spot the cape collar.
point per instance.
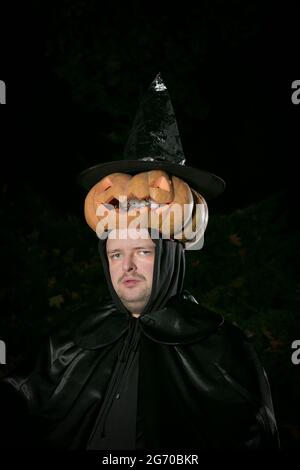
(182, 321)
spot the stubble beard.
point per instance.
(135, 304)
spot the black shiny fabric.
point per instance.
(154, 134)
(201, 384)
(116, 427)
(120, 424)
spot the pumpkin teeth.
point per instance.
(154, 204)
(132, 203)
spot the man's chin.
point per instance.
(132, 300)
(132, 293)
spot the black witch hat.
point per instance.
(154, 144)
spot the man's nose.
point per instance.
(128, 263)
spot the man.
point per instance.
(169, 375)
(149, 368)
(200, 382)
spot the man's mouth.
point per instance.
(130, 282)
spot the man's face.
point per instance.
(131, 262)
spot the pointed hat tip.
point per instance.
(158, 83)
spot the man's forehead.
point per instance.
(130, 238)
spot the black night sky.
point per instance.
(77, 70)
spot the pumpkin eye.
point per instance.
(105, 184)
(162, 183)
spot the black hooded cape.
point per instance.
(177, 377)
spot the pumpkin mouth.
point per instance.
(113, 202)
(132, 203)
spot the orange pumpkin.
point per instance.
(160, 201)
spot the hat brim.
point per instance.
(208, 184)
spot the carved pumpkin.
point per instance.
(160, 201)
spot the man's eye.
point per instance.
(115, 256)
(145, 252)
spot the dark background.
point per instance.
(75, 72)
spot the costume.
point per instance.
(200, 383)
(177, 377)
